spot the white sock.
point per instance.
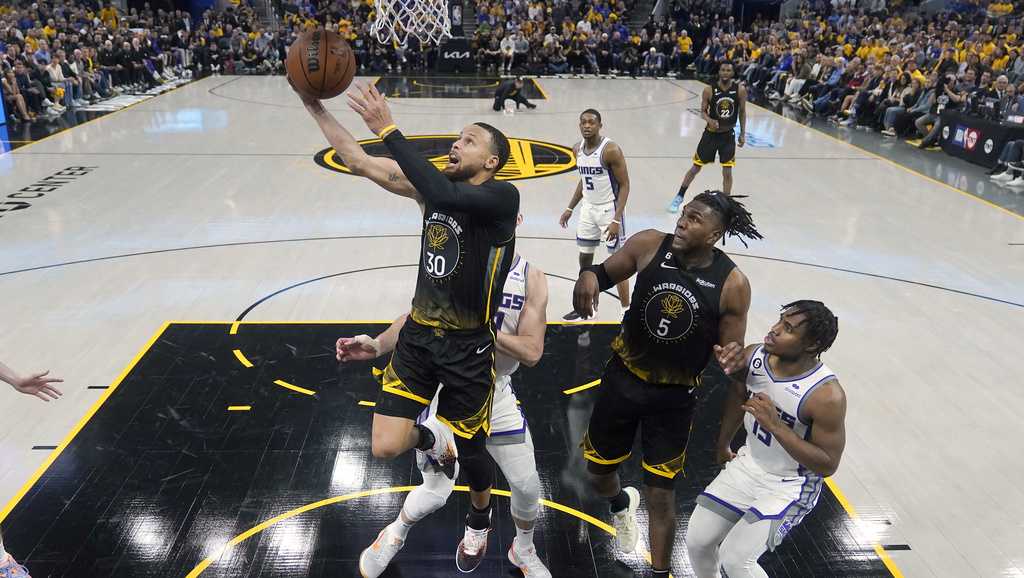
(3, 553)
(400, 528)
(524, 538)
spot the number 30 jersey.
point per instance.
(789, 395)
(671, 327)
(464, 260)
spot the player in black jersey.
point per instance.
(688, 297)
(468, 244)
(721, 106)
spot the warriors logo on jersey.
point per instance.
(442, 251)
(725, 107)
(669, 312)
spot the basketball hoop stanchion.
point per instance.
(397, 20)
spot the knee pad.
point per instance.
(428, 497)
(475, 464)
(525, 496)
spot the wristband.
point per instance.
(616, 222)
(384, 132)
(570, 209)
(604, 282)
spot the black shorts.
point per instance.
(425, 357)
(722, 143)
(662, 412)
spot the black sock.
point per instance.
(426, 438)
(619, 502)
(682, 191)
(479, 519)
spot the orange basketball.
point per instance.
(320, 64)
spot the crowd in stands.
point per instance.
(885, 66)
(61, 55)
(892, 69)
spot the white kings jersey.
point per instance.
(789, 396)
(513, 299)
(599, 185)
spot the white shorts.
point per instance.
(744, 489)
(508, 423)
(593, 227)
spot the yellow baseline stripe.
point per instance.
(580, 388)
(241, 358)
(303, 390)
(845, 503)
(368, 403)
(81, 424)
(239, 407)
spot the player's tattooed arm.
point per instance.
(383, 171)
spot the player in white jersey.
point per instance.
(521, 322)
(794, 417)
(600, 195)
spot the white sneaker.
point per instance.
(1003, 176)
(443, 453)
(1017, 182)
(527, 561)
(472, 549)
(375, 559)
(626, 532)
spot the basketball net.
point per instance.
(397, 20)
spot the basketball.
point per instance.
(320, 64)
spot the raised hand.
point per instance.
(371, 105)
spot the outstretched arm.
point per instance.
(37, 384)
(383, 171)
(623, 264)
(429, 182)
(364, 347)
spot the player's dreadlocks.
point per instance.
(735, 216)
(822, 324)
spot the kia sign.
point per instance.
(454, 55)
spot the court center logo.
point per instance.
(669, 313)
(528, 159)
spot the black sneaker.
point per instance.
(572, 316)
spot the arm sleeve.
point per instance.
(486, 201)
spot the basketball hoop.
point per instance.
(397, 20)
